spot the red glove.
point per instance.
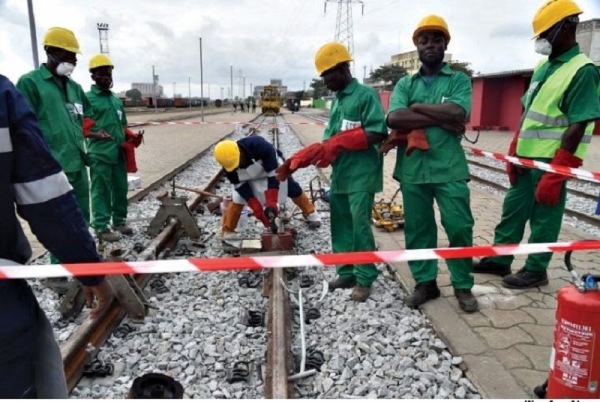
(550, 186)
(87, 126)
(395, 139)
(271, 199)
(300, 159)
(354, 139)
(129, 149)
(417, 140)
(512, 169)
(257, 209)
(132, 138)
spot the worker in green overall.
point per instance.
(63, 112)
(356, 127)
(560, 108)
(427, 112)
(108, 163)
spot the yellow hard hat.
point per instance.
(100, 60)
(227, 153)
(61, 38)
(551, 13)
(330, 55)
(432, 23)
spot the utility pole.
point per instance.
(364, 73)
(174, 85)
(251, 93)
(244, 88)
(344, 29)
(201, 85)
(190, 91)
(154, 90)
(231, 74)
(32, 33)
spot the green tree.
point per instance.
(299, 95)
(134, 94)
(319, 88)
(462, 66)
(390, 75)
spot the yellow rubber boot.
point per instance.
(308, 210)
(231, 218)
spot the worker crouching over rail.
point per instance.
(250, 165)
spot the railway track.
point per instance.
(84, 343)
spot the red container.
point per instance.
(575, 355)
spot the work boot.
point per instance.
(342, 283)
(524, 279)
(466, 300)
(109, 236)
(360, 293)
(487, 266)
(314, 220)
(232, 217)
(423, 292)
(124, 229)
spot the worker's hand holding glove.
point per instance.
(395, 139)
(550, 186)
(354, 139)
(512, 169)
(257, 209)
(417, 139)
(131, 137)
(300, 159)
(97, 135)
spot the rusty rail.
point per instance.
(96, 332)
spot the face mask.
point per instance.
(65, 69)
(543, 47)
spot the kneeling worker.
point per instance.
(250, 165)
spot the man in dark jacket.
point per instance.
(31, 179)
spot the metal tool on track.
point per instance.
(174, 206)
(388, 215)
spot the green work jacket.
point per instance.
(109, 116)
(563, 91)
(60, 114)
(357, 106)
(445, 160)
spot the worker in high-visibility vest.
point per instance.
(560, 108)
(110, 157)
(427, 112)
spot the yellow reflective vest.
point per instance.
(544, 123)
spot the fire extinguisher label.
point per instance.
(572, 353)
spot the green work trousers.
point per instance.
(420, 228)
(109, 193)
(519, 207)
(81, 187)
(351, 231)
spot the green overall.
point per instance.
(356, 177)
(108, 169)
(60, 114)
(563, 91)
(439, 174)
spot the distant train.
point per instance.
(293, 105)
(270, 100)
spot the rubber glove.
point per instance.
(550, 186)
(417, 140)
(354, 139)
(395, 139)
(257, 209)
(271, 199)
(300, 159)
(132, 138)
(129, 150)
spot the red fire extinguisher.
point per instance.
(575, 355)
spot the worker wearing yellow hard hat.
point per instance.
(350, 141)
(62, 109)
(250, 165)
(427, 114)
(561, 106)
(111, 155)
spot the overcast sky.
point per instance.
(262, 38)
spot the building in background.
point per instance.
(588, 36)
(410, 61)
(147, 89)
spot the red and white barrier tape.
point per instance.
(566, 171)
(287, 261)
(192, 123)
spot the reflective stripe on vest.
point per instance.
(544, 123)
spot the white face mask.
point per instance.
(543, 46)
(65, 69)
